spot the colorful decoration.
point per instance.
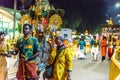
(25, 19)
(40, 14)
(110, 22)
(86, 32)
(55, 20)
(44, 14)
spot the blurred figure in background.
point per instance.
(118, 42)
(103, 48)
(110, 47)
(95, 48)
(81, 45)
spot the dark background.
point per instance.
(79, 15)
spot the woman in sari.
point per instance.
(3, 53)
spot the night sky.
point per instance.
(92, 12)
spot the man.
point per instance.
(61, 59)
(81, 45)
(42, 59)
(103, 48)
(28, 48)
(95, 48)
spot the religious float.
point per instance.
(42, 16)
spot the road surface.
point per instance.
(90, 70)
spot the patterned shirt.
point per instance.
(27, 47)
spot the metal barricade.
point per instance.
(115, 66)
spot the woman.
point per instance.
(63, 62)
(3, 53)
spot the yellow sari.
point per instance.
(3, 62)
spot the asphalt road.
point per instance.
(90, 70)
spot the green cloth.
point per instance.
(28, 47)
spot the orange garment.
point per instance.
(26, 70)
(110, 52)
(103, 47)
(66, 43)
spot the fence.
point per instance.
(115, 66)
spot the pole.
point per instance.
(15, 4)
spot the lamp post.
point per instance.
(23, 4)
(118, 18)
(15, 5)
(117, 5)
(1, 20)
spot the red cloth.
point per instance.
(110, 52)
(103, 47)
(26, 70)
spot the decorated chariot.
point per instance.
(42, 16)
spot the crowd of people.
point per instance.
(35, 55)
(105, 45)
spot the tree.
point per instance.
(19, 27)
(76, 23)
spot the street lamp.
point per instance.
(117, 5)
(118, 15)
(119, 18)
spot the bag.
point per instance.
(49, 72)
(49, 69)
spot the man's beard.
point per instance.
(26, 33)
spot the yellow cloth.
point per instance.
(117, 42)
(62, 64)
(3, 63)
